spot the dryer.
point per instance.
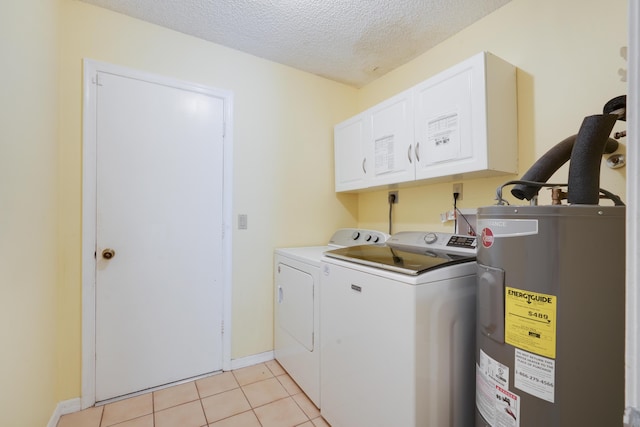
(297, 306)
(397, 327)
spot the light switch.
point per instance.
(242, 221)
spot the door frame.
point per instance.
(632, 355)
(89, 198)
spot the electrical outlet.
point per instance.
(457, 188)
(394, 195)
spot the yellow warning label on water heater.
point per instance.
(530, 321)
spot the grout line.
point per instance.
(201, 405)
(130, 419)
(245, 396)
(153, 407)
(256, 415)
(283, 386)
(101, 417)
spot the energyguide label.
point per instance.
(530, 321)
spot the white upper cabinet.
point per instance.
(350, 139)
(461, 123)
(376, 147)
(466, 120)
(391, 142)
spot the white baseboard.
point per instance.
(63, 408)
(254, 359)
(631, 417)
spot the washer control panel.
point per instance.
(420, 241)
(357, 236)
(468, 242)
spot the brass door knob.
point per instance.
(108, 253)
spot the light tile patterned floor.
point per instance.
(257, 396)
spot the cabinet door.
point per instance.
(391, 142)
(351, 165)
(450, 117)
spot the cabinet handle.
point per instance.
(364, 165)
(418, 151)
(409, 154)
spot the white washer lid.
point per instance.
(308, 254)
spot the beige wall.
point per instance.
(283, 157)
(568, 56)
(28, 211)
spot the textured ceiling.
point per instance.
(350, 41)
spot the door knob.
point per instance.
(108, 253)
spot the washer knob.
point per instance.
(367, 237)
(376, 239)
(355, 235)
(430, 238)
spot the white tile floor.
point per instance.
(257, 396)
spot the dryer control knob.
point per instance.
(367, 237)
(376, 239)
(355, 235)
(430, 238)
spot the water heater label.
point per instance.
(535, 375)
(494, 370)
(509, 227)
(498, 406)
(487, 237)
(530, 321)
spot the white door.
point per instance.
(159, 153)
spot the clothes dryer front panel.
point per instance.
(294, 299)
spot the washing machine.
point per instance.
(397, 332)
(297, 306)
